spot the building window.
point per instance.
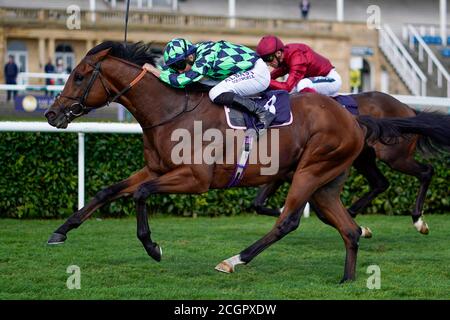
(65, 58)
(18, 49)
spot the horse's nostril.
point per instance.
(50, 115)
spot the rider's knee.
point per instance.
(219, 90)
(223, 98)
(304, 83)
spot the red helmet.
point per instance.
(269, 45)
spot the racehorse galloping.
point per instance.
(399, 157)
(319, 146)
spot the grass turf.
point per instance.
(307, 264)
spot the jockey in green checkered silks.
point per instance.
(237, 72)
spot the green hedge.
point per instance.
(38, 179)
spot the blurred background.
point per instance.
(398, 47)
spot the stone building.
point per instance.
(34, 35)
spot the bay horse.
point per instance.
(319, 146)
(398, 156)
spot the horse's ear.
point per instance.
(101, 54)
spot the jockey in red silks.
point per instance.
(306, 68)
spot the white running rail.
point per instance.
(23, 77)
(403, 63)
(30, 87)
(81, 128)
(423, 49)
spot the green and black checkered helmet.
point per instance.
(177, 50)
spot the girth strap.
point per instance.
(250, 135)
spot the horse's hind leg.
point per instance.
(327, 201)
(307, 178)
(264, 193)
(366, 165)
(121, 189)
(424, 173)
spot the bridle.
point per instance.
(79, 107)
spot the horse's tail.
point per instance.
(426, 146)
(433, 129)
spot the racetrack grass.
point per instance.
(307, 264)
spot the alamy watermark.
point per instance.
(374, 280)
(212, 146)
(74, 280)
(374, 18)
(73, 21)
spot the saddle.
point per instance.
(276, 101)
(348, 102)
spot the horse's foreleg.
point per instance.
(366, 165)
(180, 180)
(121, 189)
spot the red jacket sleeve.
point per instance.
(297, 70)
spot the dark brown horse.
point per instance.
(318, 147)
(399, 157)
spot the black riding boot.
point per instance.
(232, 99)
(264, 115)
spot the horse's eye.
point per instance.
(78, 77)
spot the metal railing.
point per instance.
(24, 77)
(30, 87)
(427, 29)
(403, 63)
(423, 49)
(143, 18)
(80, 129)
(430, 29)
(24, 85)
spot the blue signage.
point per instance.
(362, 51)
(33, 103)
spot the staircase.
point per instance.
(431, 57)
(402, 62)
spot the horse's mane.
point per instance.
(138, 53)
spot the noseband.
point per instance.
(79, 107)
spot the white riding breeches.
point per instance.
(244, 83)
(328, 85)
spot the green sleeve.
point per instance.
(179, 80)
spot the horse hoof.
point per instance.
(422, 226)
(346, 280)
(424, 230)
(224, 267)
(155, 252)
(56, 238)
(366, 232)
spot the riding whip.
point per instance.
(126, 22)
